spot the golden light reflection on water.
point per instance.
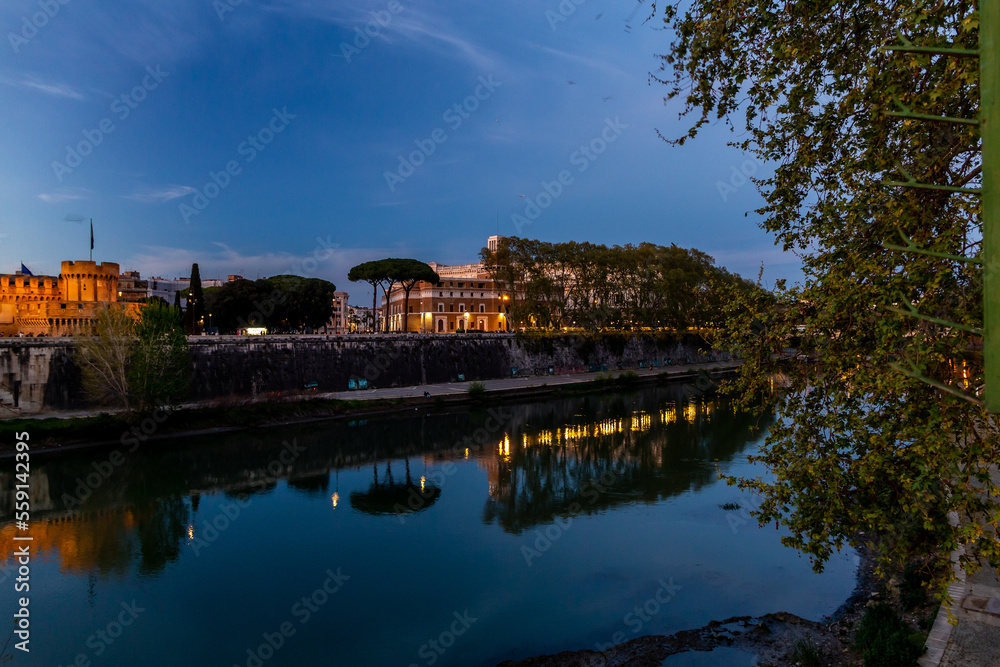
(335, 498)
(639, 421)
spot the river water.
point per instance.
(417, 539)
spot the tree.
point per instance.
(104, 356)
(300, 303)
(408, 272)
(135, 364)
(159, 366)
(233, 305)
(371, 273)
(507, 272)
(885, 436)
(195, 306)
(377, 273)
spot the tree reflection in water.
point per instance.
(598, 450)
(612, 451)
(391, 497)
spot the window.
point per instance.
(481, 285)
(482, 309)
(461, 293)
(27, 282)
(451, 308)
(451, 325)
(461, 284)
(440, 325)
(63, 306)
(440, 294)
(440, 307)
(461, 307)
(411, 309)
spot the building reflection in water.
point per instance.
(598, 450)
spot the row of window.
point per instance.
(461, 325)
(451, 308)
(451, 284)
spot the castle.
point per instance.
(56, 306)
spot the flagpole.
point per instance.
(91, 239)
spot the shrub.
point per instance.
(805, 653)
(477, 390)
(628, 378)
(885, 640)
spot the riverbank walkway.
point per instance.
(975, 641)
(529, 384)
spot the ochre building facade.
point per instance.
(62, 305)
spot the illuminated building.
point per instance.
(56, 306)
(465, 299)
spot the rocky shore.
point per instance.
(775, 639)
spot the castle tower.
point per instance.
(89, 281)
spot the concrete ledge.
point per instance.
(941, 631)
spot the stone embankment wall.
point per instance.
(42, 374)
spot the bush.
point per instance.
(885, 640)
(477, 390)
(805, 653)
(913, 588)
(628, 378)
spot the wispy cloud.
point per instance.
(425, 29)
(599, 64)
(63, 196)
(160, 195)
(29, 82)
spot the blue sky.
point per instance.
(251, 136)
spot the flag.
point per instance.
(91, 234)
(25, 270)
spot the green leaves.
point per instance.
(861, 452)
(586, 285)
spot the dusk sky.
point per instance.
(124, 115)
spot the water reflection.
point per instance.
(556, 464)
(391, 497)
(577, 455)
